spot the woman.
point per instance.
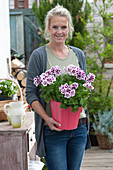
(62, 149)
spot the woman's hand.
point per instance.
(50, 121)
(52, 124)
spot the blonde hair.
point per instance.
(61, 11)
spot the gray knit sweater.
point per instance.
(37, 65)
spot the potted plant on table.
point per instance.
(8, 88)
(103, 127)
(69, 90)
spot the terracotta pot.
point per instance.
(104, 142)
(65, 117)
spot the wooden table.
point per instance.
(15, 143)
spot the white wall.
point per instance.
(4, 37)
(11, 4)
(30, 2)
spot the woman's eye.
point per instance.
(64, 27)
(55, 27)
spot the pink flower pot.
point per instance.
(65, 117)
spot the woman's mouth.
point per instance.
(59, 36)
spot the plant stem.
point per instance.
(109, 87)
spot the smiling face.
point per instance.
(58, 28)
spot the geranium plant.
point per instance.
(71, 87)
(8, 87)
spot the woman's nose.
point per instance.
(59, 30)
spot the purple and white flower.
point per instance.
(44, 83)
(74, 85)
(90, 78)
(64, 70)
(5, 86)
(88, 85)
(55, 70)
(80, 74)
(37, 81)
(72, 92)
(12, 87)
(71, 69)
(50, 79)
(48, 72)
(71, 81)
(67, 90)
(67, 95)
(43, 76)
(8, 86)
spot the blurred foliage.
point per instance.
(45, 166)
(98, 48)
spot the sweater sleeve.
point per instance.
(34, 69)
(83, 61)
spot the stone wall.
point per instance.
(109, 70)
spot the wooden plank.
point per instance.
(98, 163)
(24, 11)
(15, 13)
(34, 20)
(13, 31)
(97, 159)
(97, 149)
(17, 31)
(32, 39)
(11, 155)
(32, 27)
(20, 34)
(97, 168)
(29, 40)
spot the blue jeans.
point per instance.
(65, 149)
